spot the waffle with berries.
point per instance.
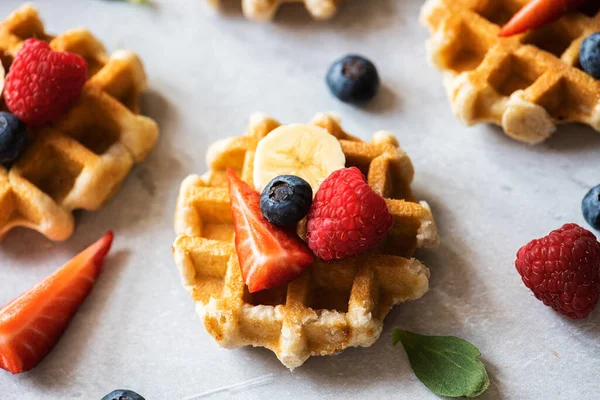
(527, 83)
(264, 10)
(79, 161)
(333, 305)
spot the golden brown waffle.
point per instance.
(81, 160)
(528, 83)
(264, 10)
(333, 305)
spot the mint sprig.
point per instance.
(447, 365)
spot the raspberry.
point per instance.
(42, 84)
(563, 270)
(347, 217)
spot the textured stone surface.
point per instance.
(208, 72)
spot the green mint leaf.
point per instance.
(447, 365)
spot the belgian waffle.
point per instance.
(80, 161)
(333, 305)
(528, 83)
(264, 10)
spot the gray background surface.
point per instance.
(207, 72)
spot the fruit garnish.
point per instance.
(268, 255)
(538, 13)
(347, 216)
(447, 365)
(13, 138)
(123, 395)
(563, 270)
(589, 55)
(307, 151)
(286, 200)
(353, 79)
(42, 84)
(591, 207)
(32, 324)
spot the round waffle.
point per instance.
(528, 83)
(264, 10)
(80, 161)
(332, 306)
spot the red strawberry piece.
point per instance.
(42, 84)
(563, 270)
(347, 217)
(269, 256)
(32, 324)
(538, 13)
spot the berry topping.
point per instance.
(33, 323)
(286, 200)
(589, 55)
(123, 395)
(353, 79)
(591, 207)
(13, 138)
(42, 84)
(269, 256)
(538, 13)
(347, 217)
(563, 270)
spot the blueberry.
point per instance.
(123, 395)
(353, 79)
(13, 138)
(286, 200)
(591, 207)
(589, 55)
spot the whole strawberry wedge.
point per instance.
(538, 13)
(32, 324)
(269, 256)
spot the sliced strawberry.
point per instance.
(538, 13)
(269, 256)
(31, 324)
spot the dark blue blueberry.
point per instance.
(589, 55)
(353, 79)
(13, 138)
(123, 395)
(591, 207)
(286, 200)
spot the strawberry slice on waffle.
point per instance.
(269, 256)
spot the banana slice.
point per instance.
(307, 151)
